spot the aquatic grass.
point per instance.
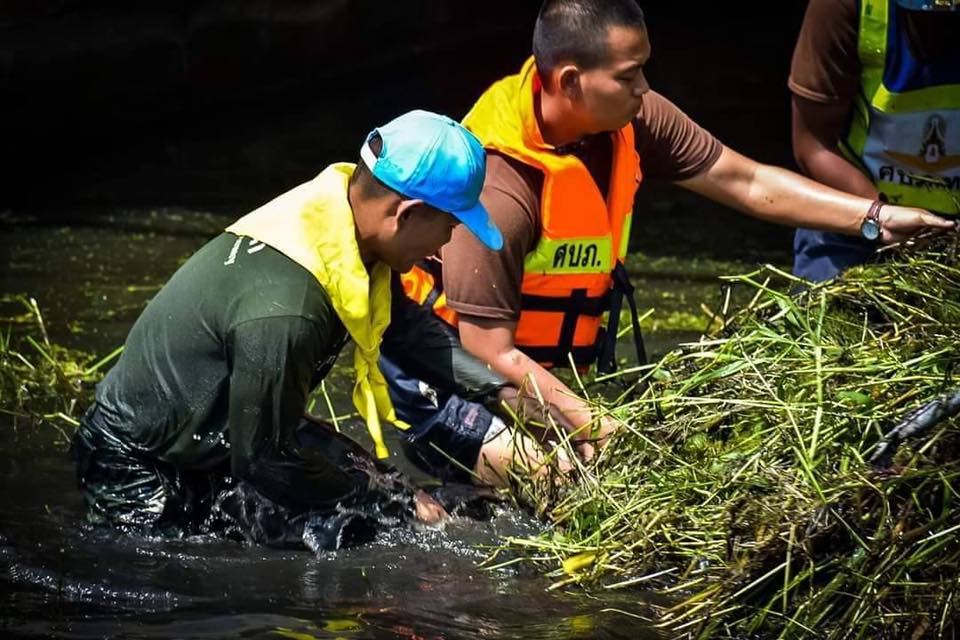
(42, 382)
(741, 490)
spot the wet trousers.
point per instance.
(131, 492)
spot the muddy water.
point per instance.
(59, 578)
(62, 579)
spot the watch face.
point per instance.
(870, 229)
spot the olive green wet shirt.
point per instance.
(219, 366)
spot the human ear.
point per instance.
(568, 80)
(405, 208)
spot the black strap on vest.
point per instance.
(622, 288)
(558, 357)
(577, 304)
(572, 307)
(607, 360)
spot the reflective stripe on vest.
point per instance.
(905, 129)
(567, 277)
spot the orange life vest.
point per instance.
(567, 277)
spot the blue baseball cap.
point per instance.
(429, 157)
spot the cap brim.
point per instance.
(478, 221)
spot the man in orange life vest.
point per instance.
(569, 140)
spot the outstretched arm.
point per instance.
(787, 198)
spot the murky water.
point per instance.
(60, 578)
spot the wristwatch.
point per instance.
(870, 227)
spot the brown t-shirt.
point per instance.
(485, 283)
(826, 65)
(826, 61)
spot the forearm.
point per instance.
(787, 198)
(265, 451)
(272, 363)
(779, 196)
(493, 342)
(533, 380)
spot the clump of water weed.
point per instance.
(742, 490)
(42, 382)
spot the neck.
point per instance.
(366, 239)
(558, 125)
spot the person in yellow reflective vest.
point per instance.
(876, 112)
(199, 425)
(569, 138)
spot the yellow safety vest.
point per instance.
(905, 133)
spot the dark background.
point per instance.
(221, 105)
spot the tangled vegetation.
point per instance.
(40, 381)
(749, 496)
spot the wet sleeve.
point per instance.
(271, 370)
(826, 61)
(485, 283)
(426, 347)
(671, 145)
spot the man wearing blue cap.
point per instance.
(200, 421)
(876, 113)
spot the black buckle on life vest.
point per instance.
(577, 303)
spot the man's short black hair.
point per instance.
(370, 188)
(576, 31)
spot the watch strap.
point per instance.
(874, 212)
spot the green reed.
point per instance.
(40, 381)
(750, 509)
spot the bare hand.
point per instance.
(585, 450)
(428, 510)
(608, 426)
(588, 444)
(899, 223)
(530, 409)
